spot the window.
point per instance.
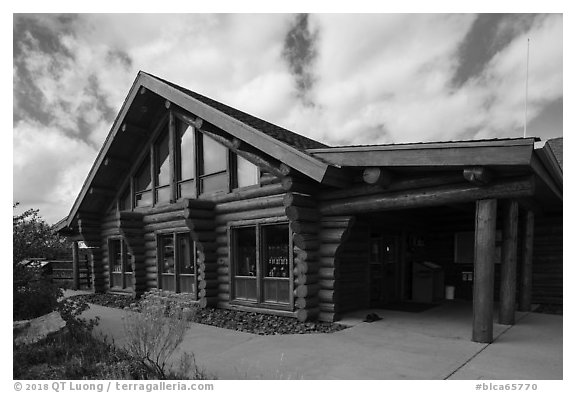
(143, 185)
(177, 263)
(125, 202)
(213, 166)
(162, 168)
(246, 173)
(262, 264)
(121, 273)
(186, 162)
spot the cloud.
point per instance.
(47, 175)
(300, 52)
(373, 78)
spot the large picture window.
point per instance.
(247, 174)
(186, 162)
(162, 169)
(143, 185)
(121, 272)
(262, 264)
(177, 263)
(213, 166)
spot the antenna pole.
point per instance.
(526, 96)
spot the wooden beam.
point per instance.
(172, 156)
(433, 196)
(75, 266)
(526, 264)
(478, 175)
(431, 155)
(116, 162)
(167, 104)
(142, 90)
(102, 191)
(379, 176)
(508, 266)
(484, 253)
(132, 129)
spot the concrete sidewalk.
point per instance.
(402, 345)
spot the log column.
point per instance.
(526, 264)
(484, 253)
(508, 267)
(75, 266)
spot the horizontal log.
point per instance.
(208, 302)
(267, 178)
(304, 227)
(203, 284)
(252, 214)
(327, 273)
(197, 213)
(332, 235)
(243, 194)
(306, 290)
(249, 204)
(224, 287)
(305, 267)
(328, 316)
(307, 314)
(305, 279)
(434, 196)
(303, 302)
(295, 199)
(301, 214)
(200, 224)
(165, 225)
(223, 296)
(305, 241)
(296, 185)
(223, 270)
(208, 292)
(327, 307)
(397, 185)
(327, 296)
(163, 217)
(328, 284)
(209, 275)
(304, 255)
(328, 249)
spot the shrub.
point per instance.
(70, 310)
(34, 295)
(154, 334)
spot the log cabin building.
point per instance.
(191, 196)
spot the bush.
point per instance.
(34, 294)
(154, 334)
(70, 310)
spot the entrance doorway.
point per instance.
(385, 270)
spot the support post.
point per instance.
(508, 267)
(527, 254)
(75, 266)
(484, 252)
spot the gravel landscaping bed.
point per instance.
(249, 322)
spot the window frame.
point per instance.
(232, 253)
(177, 261)
(155, 165)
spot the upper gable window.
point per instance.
(143, 185)
(162, 168)
(213, 166)
(186, 162)
(246, 173)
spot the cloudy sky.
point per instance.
(337, 78)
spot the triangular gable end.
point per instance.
(290, 156)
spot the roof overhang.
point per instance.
(495, 153)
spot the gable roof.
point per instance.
(284, 145)
(290, 138)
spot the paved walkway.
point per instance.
(426, 345)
